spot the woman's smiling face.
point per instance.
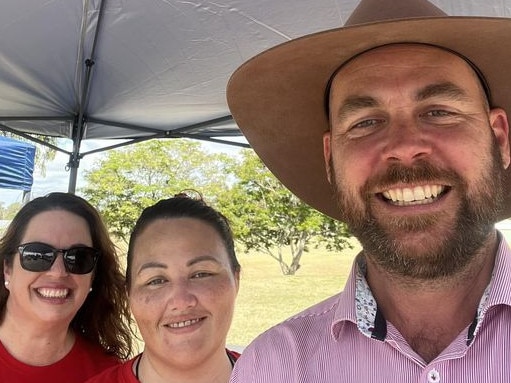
(53, 296)
(183, 290)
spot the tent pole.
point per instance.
(74, 156)
(73, 164)
(26, 196)
(80, 119)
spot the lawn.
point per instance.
(267, 297)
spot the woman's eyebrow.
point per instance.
(149, 265)
(202, 258)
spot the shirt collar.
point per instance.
(357, 304)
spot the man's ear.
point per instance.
(500, 126)
(327, 153)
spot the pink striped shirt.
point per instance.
(344, 339)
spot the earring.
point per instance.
(6, 284)
(90, 289)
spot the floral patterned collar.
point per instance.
(370, 320)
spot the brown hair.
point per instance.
(104, 317)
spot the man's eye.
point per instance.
(439, 113)
(366, 124)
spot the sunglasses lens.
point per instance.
(40, 257)
(81, 260)
(37, 257)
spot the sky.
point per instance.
(57, 177)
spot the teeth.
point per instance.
(53, 293)
(184, 323)
(408, 195)
(427, 190)
(417, 195)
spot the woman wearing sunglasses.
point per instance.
(182, 277)
(63, 310)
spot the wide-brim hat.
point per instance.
(277, 98)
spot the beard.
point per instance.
(435, 257)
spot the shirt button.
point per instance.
(433, 376)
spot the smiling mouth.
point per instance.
(185, 323)
(418, 195)
(53, 293)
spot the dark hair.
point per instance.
(104, 317)
(179, 206)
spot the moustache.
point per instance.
(420, 172)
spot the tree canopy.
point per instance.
(264, 215)
(127, 180)
(267, 217)
(8, 212)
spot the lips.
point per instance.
(418, 195)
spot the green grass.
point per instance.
(267, 297)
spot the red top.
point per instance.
(124, 372)
(83, 361)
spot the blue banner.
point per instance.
(16, 164)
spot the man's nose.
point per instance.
(406, 142)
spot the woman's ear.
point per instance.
(7, 270)
(7, 275)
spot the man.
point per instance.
(413, 154)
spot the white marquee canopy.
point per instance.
(141, 69)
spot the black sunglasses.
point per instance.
(37, 256)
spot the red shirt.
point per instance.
(124, 372)
(118, 374)
(83, 361)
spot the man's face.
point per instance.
(415, 158)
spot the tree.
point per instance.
(127, 180)
(270, 218)
(10, 211)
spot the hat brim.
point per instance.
(277, 97)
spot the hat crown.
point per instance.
(380, 10)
